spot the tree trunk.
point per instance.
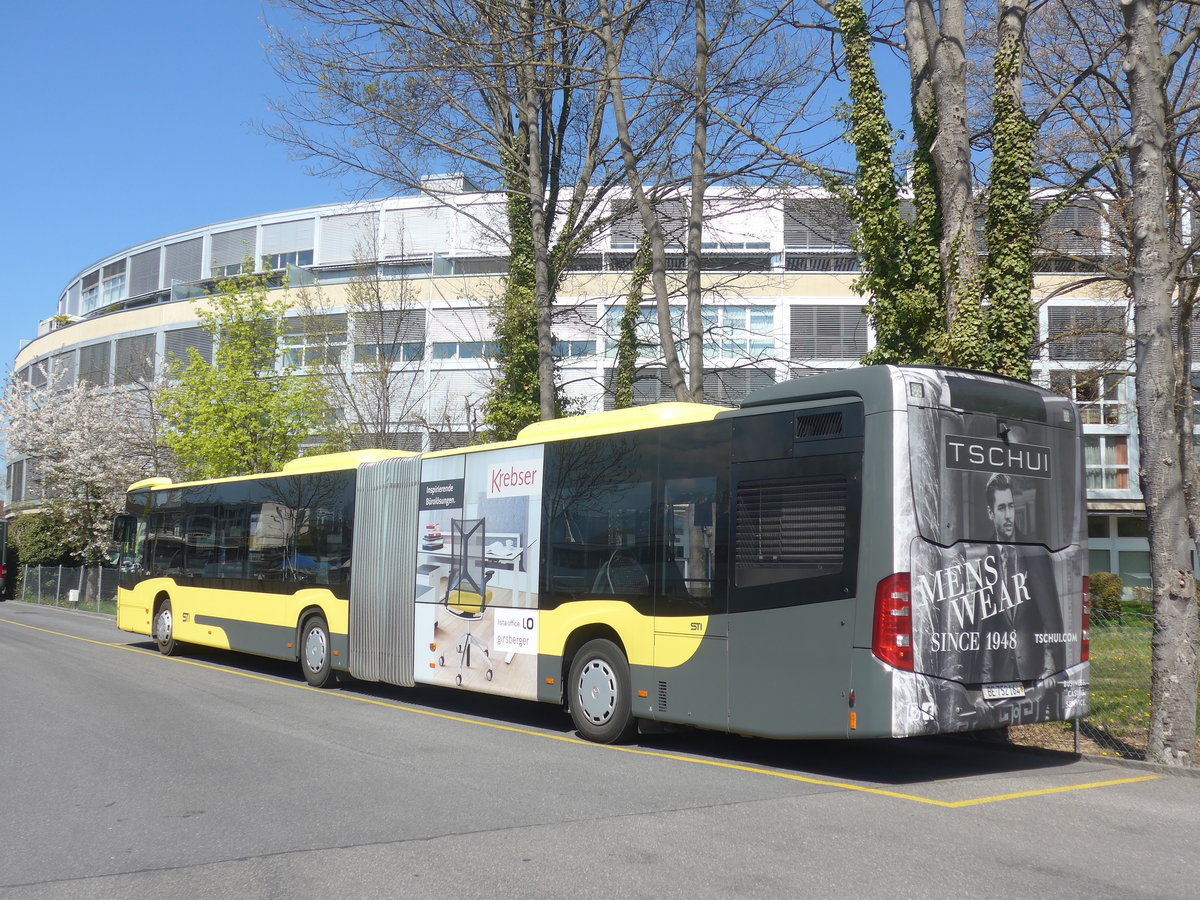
(534, 126)
(1185, 409)
(952, 151)
(658, 256)
(937, 68)
(695, 320)
(1173, 646)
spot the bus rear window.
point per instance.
(992, 478)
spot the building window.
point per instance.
(1101, 396)
(1087, 333)
(828, 332)
(574, 349)
(273, 261)
(1099, 560)
(730, 386)
(721, 386)
(817, 224)
(230, 271)
(1106, 458)
(626, 230)
(443, 350)
(231, 250)
(135, 359)
(179, 340)
(94, 364)
(376, 355)
(313, 341)
(450, 440)
(39, 373)
(1134, 567)
(1071, 240)
(112, 287)
(386, 337)
(63, 370)
(730, 332)
(91, 291)
(738, 332)
(645, 330)
(16, 482)
(1132, 527)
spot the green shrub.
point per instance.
(39, 540)
(1106, 589)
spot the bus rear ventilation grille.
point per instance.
(662, 696)
(817, 425)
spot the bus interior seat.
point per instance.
(621, 574)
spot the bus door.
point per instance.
(797, 501)
(690, 582)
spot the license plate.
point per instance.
(1007, 691)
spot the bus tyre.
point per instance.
(164, 629)
(598, 693)
(316, 661)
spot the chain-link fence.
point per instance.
(93, 588)
(1118, 721)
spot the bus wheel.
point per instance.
(315, 658)
(164, 630)
(598, 693)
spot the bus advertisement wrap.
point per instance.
(996, 576)
(477, 565)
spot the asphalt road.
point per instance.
(126, 774)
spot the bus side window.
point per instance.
(796, 528)
(601, 544)
(688, 561)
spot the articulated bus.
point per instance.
(884, 551)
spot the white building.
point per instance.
(779, 271)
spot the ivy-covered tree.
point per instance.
(515, 399)
(241, 413)
(932, 297)
(625, 365)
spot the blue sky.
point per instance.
(126, 121)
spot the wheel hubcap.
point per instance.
(162, 630)
(314, 649)
(597, 691)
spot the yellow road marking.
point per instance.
(637, 751)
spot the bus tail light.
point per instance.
(1085, 644)
(891, 638)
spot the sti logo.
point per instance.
(984, 455)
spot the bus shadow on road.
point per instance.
(881, 761)
(875, 761)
